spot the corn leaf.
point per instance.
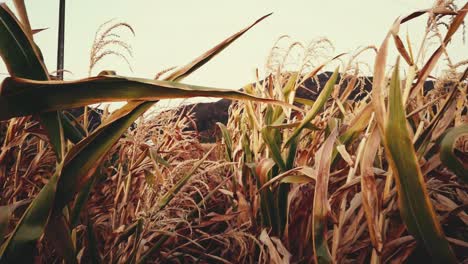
(321, 206)
(227, 140)
(358, 124)
(6, 212)
(20, 96)
(424, 139)
(186, 70)
(83, 159)
(448, 155)
(80, 201)
(58, 234)
(304, 101)
(17, 49)
(23, 14)
(22, 59)
(430, 64)
(371, 199)
(20, 245)
(415, 207)
(318, 105)
(272, 138)
(296, 175)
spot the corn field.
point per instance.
(378, 178)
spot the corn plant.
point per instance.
(362, 167)
(29, 91)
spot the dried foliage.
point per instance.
(320, 183)
(108, 41)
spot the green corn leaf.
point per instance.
(5, 216)
(17, 49)
(318, 105)
(291, 155)
(20, 96)
(20, 245)
(272, 138)
(22, 59)
(227, 140)
(80, 201)
(157, 158)
(290, 85)
(6, 212)
(448, 155)
(304, 101)
(356, 128)
(357, 125)
(83, 159)
(414, 203)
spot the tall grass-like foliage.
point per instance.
(381, 179)
(363, 168)
(77, 164)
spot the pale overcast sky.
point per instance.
(171, 33)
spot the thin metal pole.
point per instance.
(61, 40)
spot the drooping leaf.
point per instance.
(321, 207)
(295, 175)
(449, 157)
(357, 126)
(19, 96)
(431, 63)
